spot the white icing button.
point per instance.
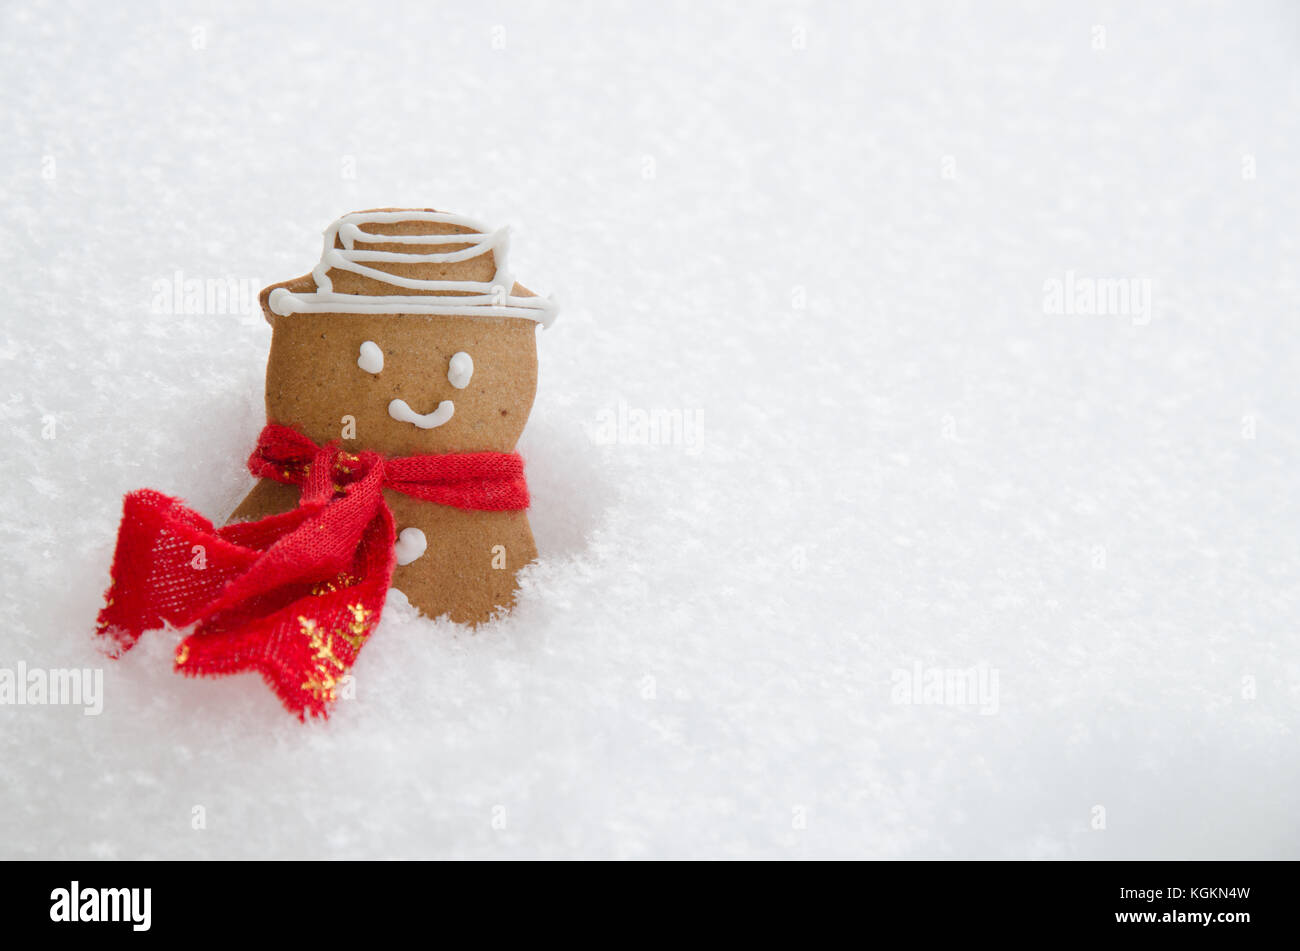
(400, 411)
(460, 369)
(372, 358)
(410, 545)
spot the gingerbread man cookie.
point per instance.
(409, 338)
(401, 374)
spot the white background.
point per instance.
(918, 466)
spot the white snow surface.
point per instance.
(821, 234)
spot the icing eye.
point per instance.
(460, 369)
(372, 358)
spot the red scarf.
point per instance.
(292, 596)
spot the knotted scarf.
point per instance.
(292, 596)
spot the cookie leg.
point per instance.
(266, 498)
(469, 566)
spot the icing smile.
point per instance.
(459, 370)
(402, 412)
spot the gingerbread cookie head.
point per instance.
(409, 336)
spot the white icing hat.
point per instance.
(342, 261)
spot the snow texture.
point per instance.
(817, 244)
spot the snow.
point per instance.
(817, 244)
